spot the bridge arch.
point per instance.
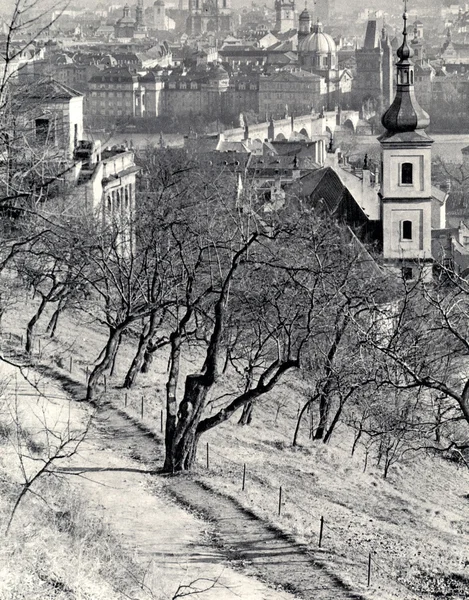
(349, 126)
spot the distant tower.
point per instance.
(159, 16)
(304, 28)
(209, 16)
(387, 63)
(284, 15)
(406, 174)
(418, 43)
(139, 14)
(373, 85)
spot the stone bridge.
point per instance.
(309, 127)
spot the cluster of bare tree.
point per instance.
(253, 294)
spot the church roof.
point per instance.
(318, 42)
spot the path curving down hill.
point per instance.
(203, 534)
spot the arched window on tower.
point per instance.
(406, 232)
(407, 173)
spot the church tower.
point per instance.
(373, 84)
(388, 68)
(139, 14)
(406, 194)
(284, 15)
(304, 28)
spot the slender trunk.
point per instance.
(357, 439)
(171, 401)
(324, 407)
(298, 422)
(246, 415)
(438, 425)
(32, 324)
(366, 460)
(334, 422)
(146, 347)
(137, 361)
(52, 326)
(108, 354)
(114, 360)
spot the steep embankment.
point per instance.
(414, 524)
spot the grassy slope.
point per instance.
(57, 553)
(415, 523)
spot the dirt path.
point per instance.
(114, 469)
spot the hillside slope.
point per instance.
(414, 524)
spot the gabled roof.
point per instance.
(371, 36)
(439, 195)
(49, 89)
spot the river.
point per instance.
(447, 146)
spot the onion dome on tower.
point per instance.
(405, 113)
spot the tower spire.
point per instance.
(405, 113)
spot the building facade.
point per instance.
(209, 16)
(116, 92)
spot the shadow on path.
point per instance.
(239, 534)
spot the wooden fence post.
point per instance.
(244, 476)
(280, 501)
(321, 530)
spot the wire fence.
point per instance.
(275, 502)
(278, 499)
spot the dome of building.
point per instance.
(158, 3)
(318, 42)
(305, 16)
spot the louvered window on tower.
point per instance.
(406, 230)
(407, 174)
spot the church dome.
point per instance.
(305, 16)
(318, 42)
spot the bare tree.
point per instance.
(421, 341)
